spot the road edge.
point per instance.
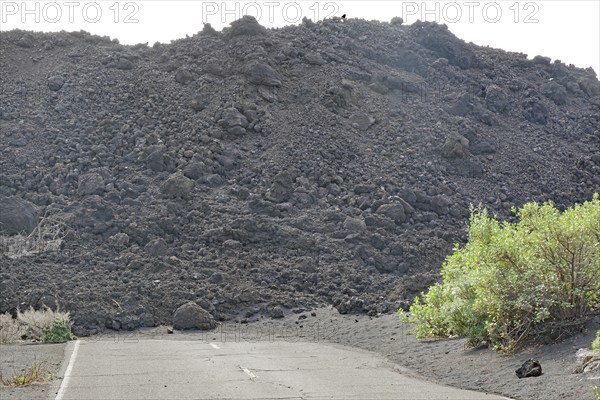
(66, 366)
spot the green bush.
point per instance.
(513, 282)
(596, 342)
(58, 332)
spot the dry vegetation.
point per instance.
(35, 373)
(31, 324)
(47, 236)
(10, 329)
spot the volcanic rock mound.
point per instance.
(255, 171)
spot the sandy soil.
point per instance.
(449, 362)
(444, 361)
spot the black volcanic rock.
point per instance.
(252, 169)
(17, 216)
(262, 74)
(530, 368)
(245, 26)
(192, 316)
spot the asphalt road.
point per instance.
(186, 369)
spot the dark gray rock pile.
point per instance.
(254, 172)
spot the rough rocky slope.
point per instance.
(256, 171)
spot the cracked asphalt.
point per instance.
(198, 369)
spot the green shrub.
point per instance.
(596, 342)
(58, 332)
(512, 282)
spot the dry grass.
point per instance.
(35, 373)
(47, 236)
(30, 324)
(10, 329)
(37, 321)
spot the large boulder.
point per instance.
(589, 85)
(156, 161)
(394, 211)
(337, 98)
(456, 146)
(196, 169)
(276, 312)
(246, 26)
(441, 204)
(443, 43)
(209, 30)
(90, 184)
(355, 224)
(122, 63)
(233, 121)
(177, 185)
(496, 99)
(192, 316)
(26, 41)
(313, 58)
(555, 92)
(408, 209)
(281, 189)
(157, 248)
(262, 74)
(183, 76)
(17, 216)
(535, 111)
(461, 106)
(93, 215)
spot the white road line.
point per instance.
(214, 346)
(65, 382)
(247, 371)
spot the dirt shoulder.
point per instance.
(15, 359)
(448, 362)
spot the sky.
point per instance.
(565, 30)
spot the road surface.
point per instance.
(198, 369)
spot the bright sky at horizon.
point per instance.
(564, 30)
